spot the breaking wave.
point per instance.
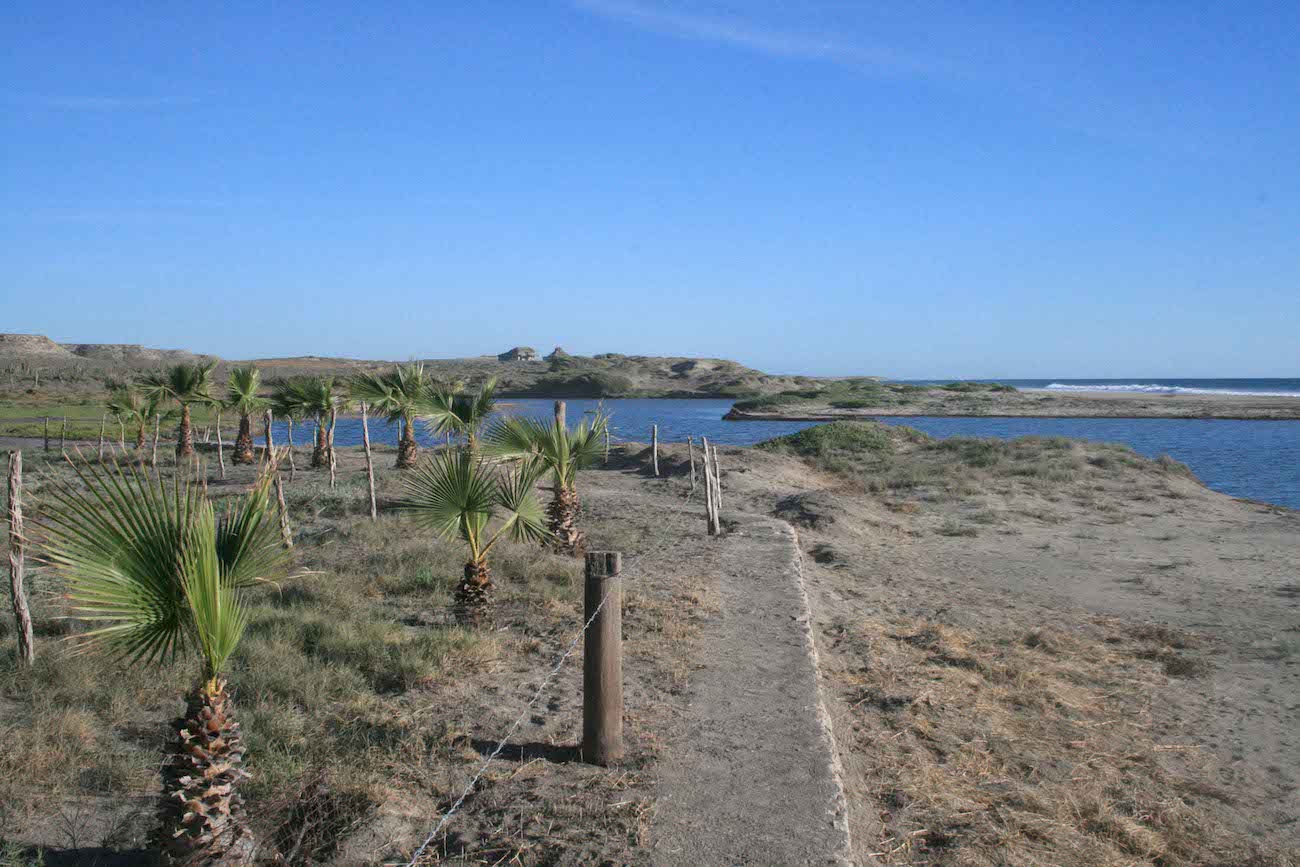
(1157, 388)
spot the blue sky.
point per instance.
(910, 189)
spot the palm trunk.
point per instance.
(244, 442)
(563, 513)
(139, 437)
(407, 449)
(185, 434)
(320, 454)
(200, 815)
(474, 593)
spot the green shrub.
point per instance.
(825, 440)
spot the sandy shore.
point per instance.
(1048, 404)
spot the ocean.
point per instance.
(1151, 385)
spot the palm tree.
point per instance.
(186, 384)
(311, 397)
(130, 406)
(162, 574)
(457, 495)
(241, 388)
(562, 451)
(400, 393)
(452, 410)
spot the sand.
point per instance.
(1050, 404)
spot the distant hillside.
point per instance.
(559, 374)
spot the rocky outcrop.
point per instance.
(36, 345)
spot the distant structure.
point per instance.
(558, 353)
(519, 353)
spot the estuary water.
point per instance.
(1259, 460)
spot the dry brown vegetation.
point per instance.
(1044, 651)
(365, 709)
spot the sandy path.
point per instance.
(748, 780)
(746, 772)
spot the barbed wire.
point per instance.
(537, 696)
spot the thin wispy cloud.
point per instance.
(739, 33)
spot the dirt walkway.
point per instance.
(745, 775)
(748, 778)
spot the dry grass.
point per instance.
(1017, 748)
(365, 709)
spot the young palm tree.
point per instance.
(241, 388)
(315, 397)
(130, 406)
(162, 574)
(400, 393)
(186, 384)
(453, 411)
(563, 451)
(457, 495)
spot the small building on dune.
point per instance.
(519, 353)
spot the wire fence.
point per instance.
(627, 571)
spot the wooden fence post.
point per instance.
(607, 443)
(103, 426)
(267, 418)
(654, 446)
(717, 483)
(370, 464)
(334, 420)
(288, 433)
(26, 651)
(286, 534)
(690, 450)
(63, 436)
(711, 504)
(121, 436)
(559, 414)
(602, 663)
(157, 431)
(221, 448)
(47, 433)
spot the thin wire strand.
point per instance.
(537, 696)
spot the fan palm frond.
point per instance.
(241, 390)
(137, 554)
(182, 383)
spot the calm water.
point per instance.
(1255, 459)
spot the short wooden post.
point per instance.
(602, 664)
(370, 464)
(26, 650)
(559, 414)
(63, 436)
(606, 442)
(103, 426)
(334, 420)
(267, 418)
(286, 534)
(654, 446)
(47, 433)
(121, 435)
(221, 449)
(157, 432)
(288, 435)
(690, 450)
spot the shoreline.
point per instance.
(1042, 403)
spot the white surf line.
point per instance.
(840, 819)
